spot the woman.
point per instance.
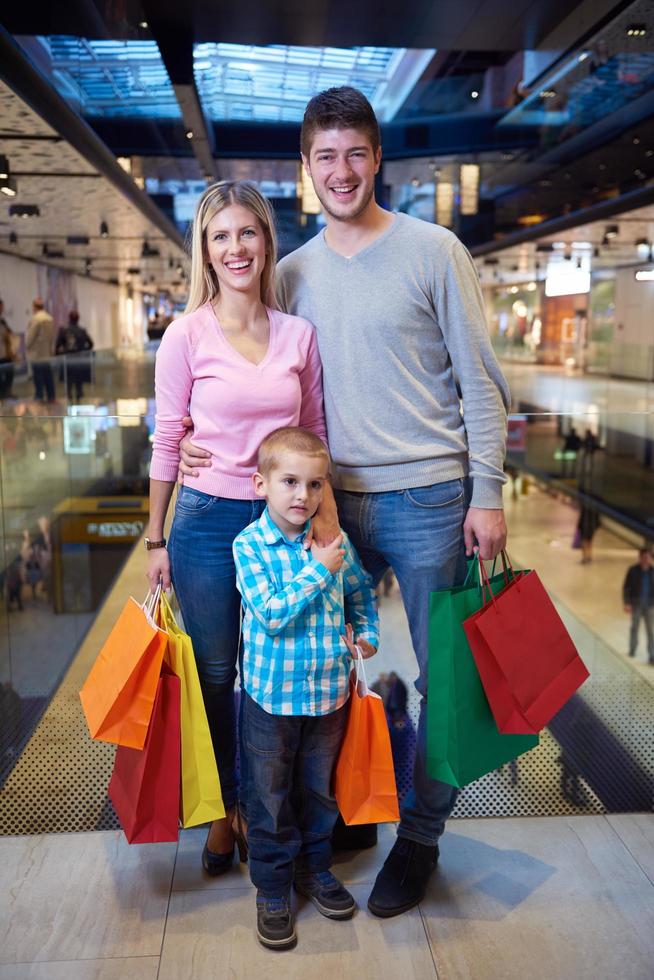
(242, 369)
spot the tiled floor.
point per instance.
(550, 898)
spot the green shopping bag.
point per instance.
(463, 742)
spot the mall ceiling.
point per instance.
(554, 101)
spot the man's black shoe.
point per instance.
(356, 838)
(402, 881)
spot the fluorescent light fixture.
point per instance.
(469, 178)
(306, 193)
(645, 275)
(566, 280)
(444, 204)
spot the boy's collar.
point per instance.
(272, 534)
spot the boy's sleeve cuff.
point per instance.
(318, 572)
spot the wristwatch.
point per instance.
(151, 545)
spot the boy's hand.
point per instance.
(367, 649)
(190, 456)
(331, 555)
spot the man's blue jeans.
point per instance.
(204, 577)
(418, 532)
(291, 809)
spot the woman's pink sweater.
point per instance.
(234, 403)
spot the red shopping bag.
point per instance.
(527, 662)
(364, 781)
(145, 784)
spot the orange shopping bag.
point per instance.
(118, 695)
(364, 783)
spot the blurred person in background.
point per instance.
(39, 343)
(638, 597)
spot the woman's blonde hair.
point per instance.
(204, 284)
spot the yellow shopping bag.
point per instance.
(201, 798)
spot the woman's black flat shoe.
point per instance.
(216, 864)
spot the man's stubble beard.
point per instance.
(349, 217)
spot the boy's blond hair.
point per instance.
(292, 439)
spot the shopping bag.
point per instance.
(118, 695)
(144, 787)
(201, 798)
(463, 742)
(364, 782)
(527, 661)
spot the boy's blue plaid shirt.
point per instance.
(294, 660)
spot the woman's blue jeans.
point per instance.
(204, 578)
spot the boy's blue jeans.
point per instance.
(291, 809)
(418, 532)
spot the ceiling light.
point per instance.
(469, 188)
(8, 186)
(4, 167)
(645, 275)
(144, 24)
(189, 134)
(531, 286)
(548, 93)
(612, 231)
(474, 94)
(636, 30)
(583, 56)
(104, 229)
(24, 210)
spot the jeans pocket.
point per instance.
(436, 495)
(191, 502)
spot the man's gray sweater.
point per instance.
(399, 325)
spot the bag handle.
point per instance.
(360, 670)
(151, 603)
(484, 577)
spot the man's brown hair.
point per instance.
(339, 108)
(292, 439)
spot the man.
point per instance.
(638, 596)
(399, 317)
(38, 347)
(74, 342)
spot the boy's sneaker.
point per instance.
(275, 927)
(326, 892)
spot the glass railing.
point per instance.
(120, 375)
(73, 495)
(73, 498)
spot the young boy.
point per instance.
(296, 669)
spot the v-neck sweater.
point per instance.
(233, 402)
(400, 324)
